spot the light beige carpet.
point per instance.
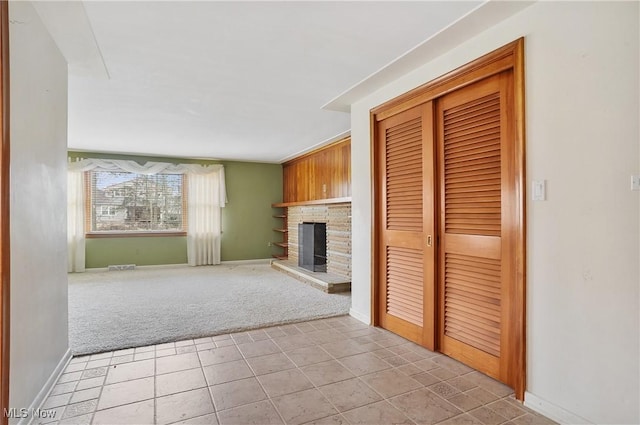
(122, 309)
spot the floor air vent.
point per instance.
(118, 267)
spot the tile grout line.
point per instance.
(127, 380)
(314, 385)
(93, 414)
(104, 383)
(359, 378)
(275, 408)
(204, 376)
(155, 386)
(305, 375)
(383, 398)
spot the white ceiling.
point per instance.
(231, 80)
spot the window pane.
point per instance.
(133, 202)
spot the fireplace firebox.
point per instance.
(312, 246)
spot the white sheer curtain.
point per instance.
(206, 194)
(205, 199)
(75, 221)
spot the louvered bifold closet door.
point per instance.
(405, 158)
(473, 135)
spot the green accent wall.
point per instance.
(247, 222)
(142, 251)
(247, 227)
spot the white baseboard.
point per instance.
(551, 410)
(163, 266)
(48, 386)
(244, 262)
(364, 318)
(94, 270)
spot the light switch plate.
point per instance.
(635, 182)
(539, 190)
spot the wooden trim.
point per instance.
(485, 66)
(315, 151)
(316, 202)
(132, 234)
(430, 223)
(520, 301)
(376, 207)
(508, 57)
(5, 271)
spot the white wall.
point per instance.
(38, 205)
(583, 248)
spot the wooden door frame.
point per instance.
(508, 57)
(5, 258)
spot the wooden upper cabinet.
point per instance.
(321, 174)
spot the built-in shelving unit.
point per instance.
(283, 243)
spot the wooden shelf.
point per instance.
(282, 244)
(314, 202)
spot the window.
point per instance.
(122, 202)
(108, 210)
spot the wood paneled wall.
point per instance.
(321, 174)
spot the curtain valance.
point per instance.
(151, 167)
(148, 168)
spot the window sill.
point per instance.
(101, 235)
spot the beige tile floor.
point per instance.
(332, 371)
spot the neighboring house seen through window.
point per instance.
(129, 202)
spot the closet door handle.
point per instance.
(429, 240)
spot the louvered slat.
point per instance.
(472, 305)
(404, 284)
(403, 150)
(473, 106)
(472, 171)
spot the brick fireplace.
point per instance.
(338, 232)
